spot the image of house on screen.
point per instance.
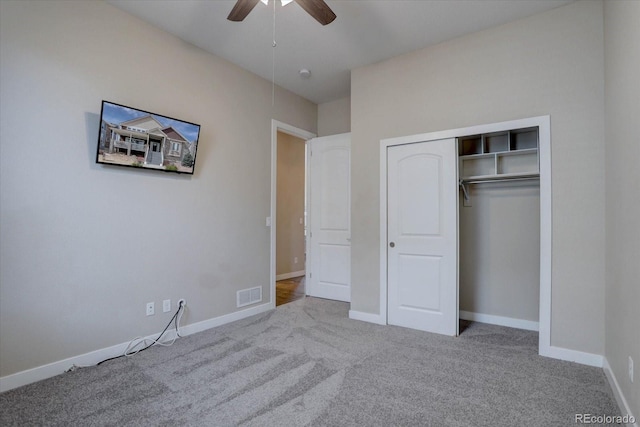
(146, 141)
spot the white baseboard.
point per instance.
(617, 392)
(89, 359)
(547, 351)
(286, 276)
(576, 356)
(223, 320)
(550, 351)
(366, 317)
(499, 320)
(52, 369)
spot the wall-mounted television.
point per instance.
(141, 139)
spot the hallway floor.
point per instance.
(289, 290)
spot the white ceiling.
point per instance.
(365, 32)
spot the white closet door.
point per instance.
(330, 218)
(422, 209)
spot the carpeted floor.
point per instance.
(306, 363)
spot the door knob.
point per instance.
(393, 245)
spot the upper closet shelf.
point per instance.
(511, 154)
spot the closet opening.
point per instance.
(427, 275)
(499, 229)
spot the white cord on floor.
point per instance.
(138, 341)
(129, 351)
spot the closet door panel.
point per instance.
(422, 236)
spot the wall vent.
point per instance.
(249, 296)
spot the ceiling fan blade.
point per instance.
(241, 9)
(319, 10)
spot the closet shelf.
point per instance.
(499, 155)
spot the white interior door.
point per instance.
(422, 228)
(329, 250)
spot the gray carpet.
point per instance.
(306, 363)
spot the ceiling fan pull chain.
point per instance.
(273, 59)
(274, 24)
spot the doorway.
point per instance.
(271, 221)
(291, 216)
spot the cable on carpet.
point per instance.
(130, 350)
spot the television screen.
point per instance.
(137, 138)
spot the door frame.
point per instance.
(544, 125)
(277, 126)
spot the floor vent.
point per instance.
(249, 296)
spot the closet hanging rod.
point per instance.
(484, 181)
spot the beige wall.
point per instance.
(334, 117)
(622, 84)
(500, 250)
(290, 240)
(84, 246)
(551, 63)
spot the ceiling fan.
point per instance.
(318, 9)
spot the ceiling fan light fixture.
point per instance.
(283, 2)
(318, 9)
(304, 73)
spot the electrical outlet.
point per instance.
(151, 309)
(295, 259)
(183, 301)
(630, 369)
(166, 306)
